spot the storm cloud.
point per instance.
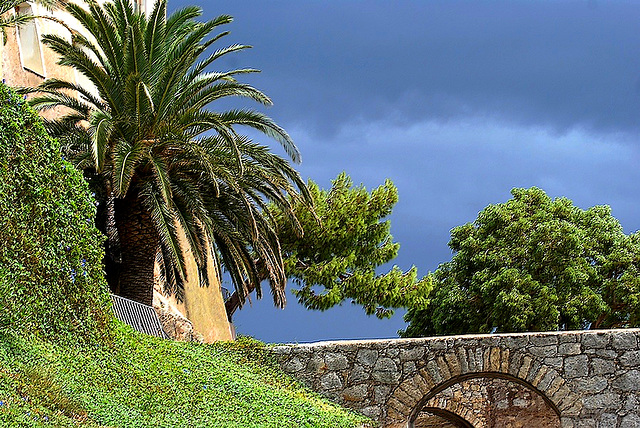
(456, 102)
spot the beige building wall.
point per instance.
(203, 306)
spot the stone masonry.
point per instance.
(586, 378)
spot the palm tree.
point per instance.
(162, 159)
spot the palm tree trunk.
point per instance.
(139, 243)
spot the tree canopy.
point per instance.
(534, 264)
(346, 239)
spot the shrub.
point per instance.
(51, 276)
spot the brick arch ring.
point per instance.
(449, 368)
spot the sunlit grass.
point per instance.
(147, 382)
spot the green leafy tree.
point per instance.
(162, 161)
(534, 264)
(346, 238)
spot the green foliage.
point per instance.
(144, 382)
(534, 264)
(345, 240)
(51, 278)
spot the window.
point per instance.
(29, 43)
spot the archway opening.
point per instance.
(485, 400)
(434, 417)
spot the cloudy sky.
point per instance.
(457, 102)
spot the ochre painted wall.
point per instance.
(203, 306)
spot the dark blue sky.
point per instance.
(456, 101)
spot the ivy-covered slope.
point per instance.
(51, 277)
(146, 382)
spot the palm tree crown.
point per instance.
(163, 160)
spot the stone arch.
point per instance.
(451, 366)
(420, 406)
(458, 420)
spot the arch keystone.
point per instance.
(462, 357)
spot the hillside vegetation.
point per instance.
(66, 362)
(140, 381)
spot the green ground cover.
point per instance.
(141, 381)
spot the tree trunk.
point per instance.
(139, 243)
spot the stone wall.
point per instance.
(587, 379)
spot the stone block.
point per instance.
(544, 351)
(444, 368)
(335, 361)
(412, 391)
(357, 374)
(591, 385)
(293, 365)
(316, 365)
(595, 340)
(380, 393)
(565, 349)
(536, 365)
(494, 359)
(568, 337)
(600, 366)
(608, 420)
(525, 367)
(421, 384)
(602, 401)
(545, 382)
(392, 352)
(330, 381)
(542, 372)
(471, 360)
(462, 357)
(426, 377)
(373, 412)
(621, 341)
(355, 393)
(434, 371)
(367, 357)
(559, 395)
(576, 366)
(504, 360)
(606, 353)
(412, 354)
(385, 371)
(409, 368)
(555, 385)
(632, 404)
(515, 342)
(630, 359)
(453, 364)
(630, 421)
(629, 381)
(515, 363)
(543, 340)
(438, 345)
(555, 362)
